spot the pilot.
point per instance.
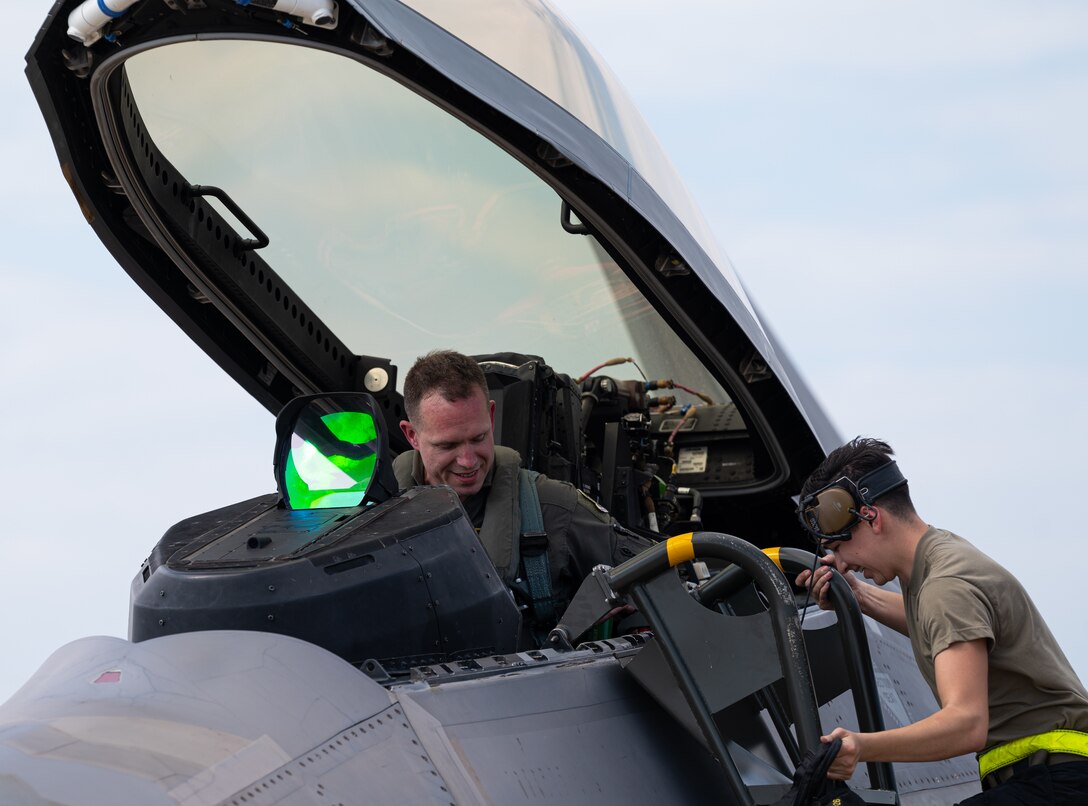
(1006, 690)
(543, 536)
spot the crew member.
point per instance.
(450, 426)
(1005, 689)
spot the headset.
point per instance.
(833, 510)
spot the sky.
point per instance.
(902, 187)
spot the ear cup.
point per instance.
(834, 510)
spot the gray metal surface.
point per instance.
(206, 718)
(190, 718)
(576, 732)
(209, 717)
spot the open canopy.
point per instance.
(318, 198)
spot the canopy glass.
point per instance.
(403, 228)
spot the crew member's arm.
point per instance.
(883, 605)
(959, 727)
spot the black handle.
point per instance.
(260, 241)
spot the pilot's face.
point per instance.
(454, 440)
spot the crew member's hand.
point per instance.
(849, 754)
(820, 581)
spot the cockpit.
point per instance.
(381, 185)
(347, 209)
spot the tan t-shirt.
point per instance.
(956, 593)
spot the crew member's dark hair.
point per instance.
(853, 460)
(451, 374)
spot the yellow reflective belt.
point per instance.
(1054, 741)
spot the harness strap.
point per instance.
(1054, 741)
(534, 549)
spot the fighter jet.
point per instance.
(317, 192)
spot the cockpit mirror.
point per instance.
(332, 451)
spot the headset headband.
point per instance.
(877, 482)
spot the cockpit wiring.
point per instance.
(613, 362)
(651, 385)
(686, 411)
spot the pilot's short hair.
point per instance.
(853, 460)
(449, 373)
